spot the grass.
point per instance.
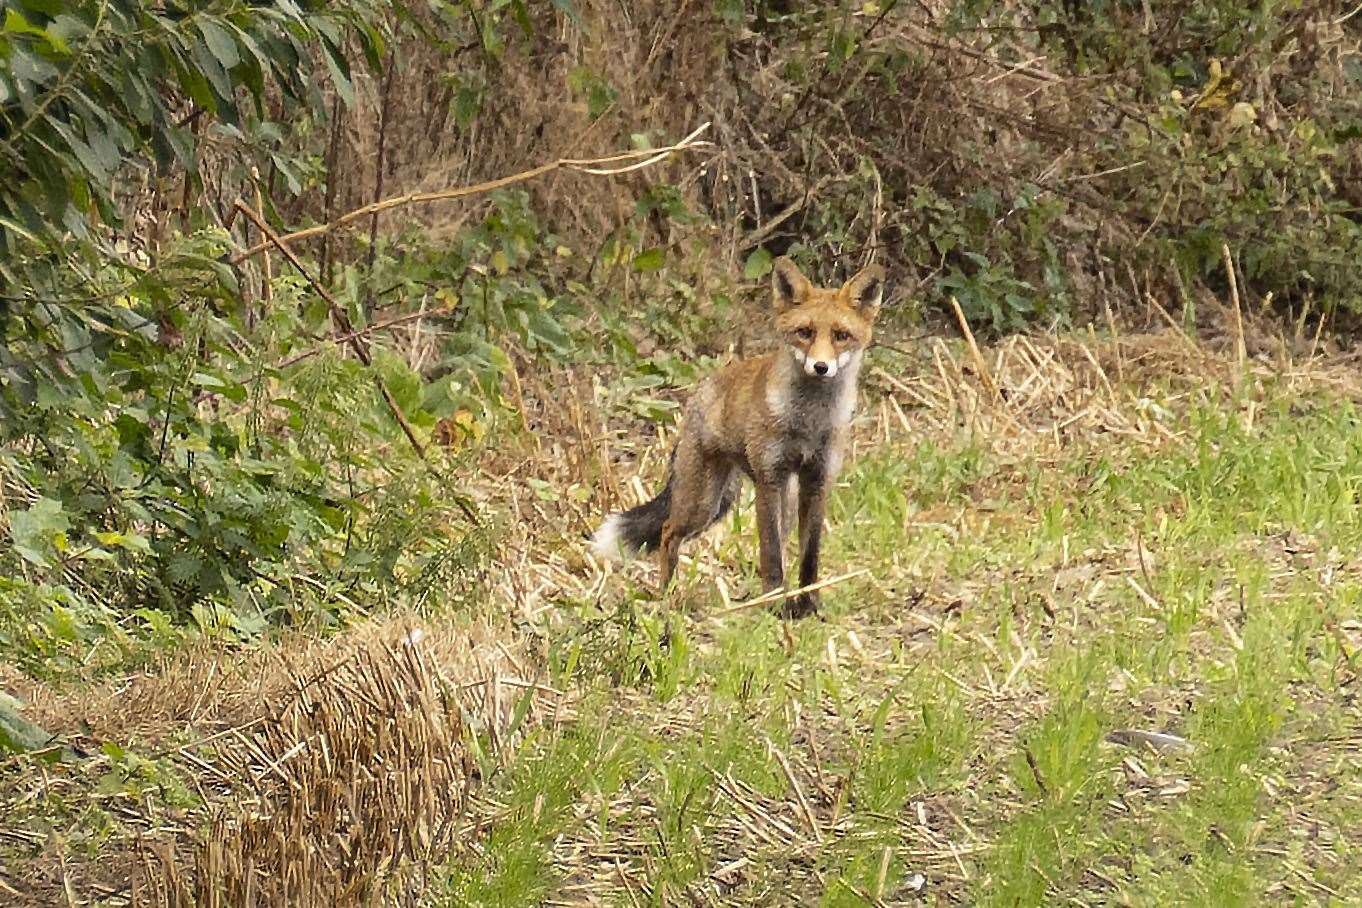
(941, 734)
(1175, 554)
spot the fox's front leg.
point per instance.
(813, 486)
(771, 565)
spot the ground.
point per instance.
(1090, 638)
(1047, 552)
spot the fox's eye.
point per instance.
(804, 333)
(841, 336)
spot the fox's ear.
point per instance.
(789, 287)
(865, 290)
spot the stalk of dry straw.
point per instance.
(344, 796)
(984, 375)
(1240, 348)
(782, 593)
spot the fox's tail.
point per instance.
(629, 532)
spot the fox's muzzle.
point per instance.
(814, 367)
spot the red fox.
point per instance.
(781, 419)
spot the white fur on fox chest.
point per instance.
(809, 410)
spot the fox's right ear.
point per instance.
(789, 287)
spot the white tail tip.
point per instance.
(606, 544)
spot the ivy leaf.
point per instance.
(650, 260)
(36, 532)
(17, 734)
(758, 264)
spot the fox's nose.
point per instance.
(821, 368)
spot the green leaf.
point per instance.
(204, 380)
(373, 45)
(758, 264)
(133, 542)
(220, 43)
(290, 9)
(340, 74)
(522, 17)
(467, 105)
(29, 68)
(17, 24)
(36, 531)
(197, 87)
(48, 7)
(184, 567)
(217, 77)
(17, 734)
(650, 260)
(732, 11)
(84, 154)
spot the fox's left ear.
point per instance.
(865, 291)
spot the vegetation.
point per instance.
(280, 513)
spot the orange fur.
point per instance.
(780, 419)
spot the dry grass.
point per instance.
(1033, 407)
(1053, 393)
(326, 772)
(345, 771)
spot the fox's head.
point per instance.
(825, 329)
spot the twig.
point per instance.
(804, 806)
(782, 593)
(594, 166)
(267, 267)
(355, 339)
(329, 199)
(379, 171)
(757, 236)
(1172, 323)
(1035, 772)
(365, 332)
(1154, 740)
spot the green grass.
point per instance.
(949, 717)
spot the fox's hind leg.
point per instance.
(701, 486)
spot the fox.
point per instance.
(781, 420)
